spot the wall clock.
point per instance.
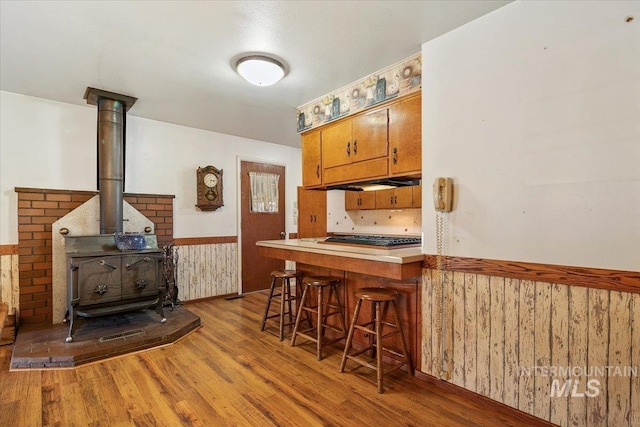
(209, 188)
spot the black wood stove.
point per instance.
(102, 279)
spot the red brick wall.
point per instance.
(38, 209)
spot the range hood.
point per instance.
(377, 184)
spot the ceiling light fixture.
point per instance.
(260, 70)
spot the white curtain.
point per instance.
(264, 192)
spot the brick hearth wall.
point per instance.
(38, 209)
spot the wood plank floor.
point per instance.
(228, 373)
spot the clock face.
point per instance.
(210, 180)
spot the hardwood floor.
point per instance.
(228, 373)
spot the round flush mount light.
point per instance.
(260, 70)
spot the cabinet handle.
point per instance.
(395, 200)
(355, 147)
(395, 155)
(391, 200)
(348, 148)
(310, 218)
(318, 171)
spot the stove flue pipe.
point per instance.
(111, 110)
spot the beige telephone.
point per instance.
(443, 194)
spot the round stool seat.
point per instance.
(284, 274)
(376, 294)
(320, 280)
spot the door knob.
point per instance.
(282, 234)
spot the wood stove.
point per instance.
(103, 276)
(103, 280)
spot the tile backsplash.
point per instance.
(383, 221)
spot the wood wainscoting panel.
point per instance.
(568, 355)
(207, 270)
(9, 281)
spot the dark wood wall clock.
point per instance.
(209, 188)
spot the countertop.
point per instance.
(400, 263)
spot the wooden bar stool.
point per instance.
(324, 309)
(285, 297)
(380, 298)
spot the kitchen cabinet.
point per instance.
(362, 137)
(356, 148)
(417, 196)
(312, 213)
(356, 200)
(395, 198)
(312, 159)
(384, 142)
(405, 136)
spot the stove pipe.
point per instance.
(111, 110)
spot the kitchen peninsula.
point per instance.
(360, 266)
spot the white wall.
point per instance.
(46, 144)
(534, 110)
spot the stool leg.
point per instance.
(266, 310)
(320, 324)
(352, 328)
(283, 297)
(334, 289)
(299, 315)
(407, 355)
(378, 323)
(289, 300)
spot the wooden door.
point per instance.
(405, 136)
(311, 159)
(312, 213)
(336, 144)
(255, 226)
(370, 136)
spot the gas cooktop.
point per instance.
(369, 240)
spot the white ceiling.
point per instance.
(176, 56)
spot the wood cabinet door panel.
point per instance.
(384, 199)
(417, 196)
(370, 136)
(359, 200)
(405, 136)
(353, 172)
(336, 144)
(311, 159)
(312, 213)
(395, 198)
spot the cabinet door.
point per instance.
(357, 200)
(405, 136)
(417, 196)
(336, 144)
(395, 198)
(312, 213)
(311, 159)
(384, 199)
(370, 136)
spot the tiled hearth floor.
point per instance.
(44, 346)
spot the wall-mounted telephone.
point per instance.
(443, 194)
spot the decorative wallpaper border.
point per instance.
(399, 79)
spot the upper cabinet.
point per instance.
(356, 147)
(405, 136)
(311, 159)
(380, 143)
